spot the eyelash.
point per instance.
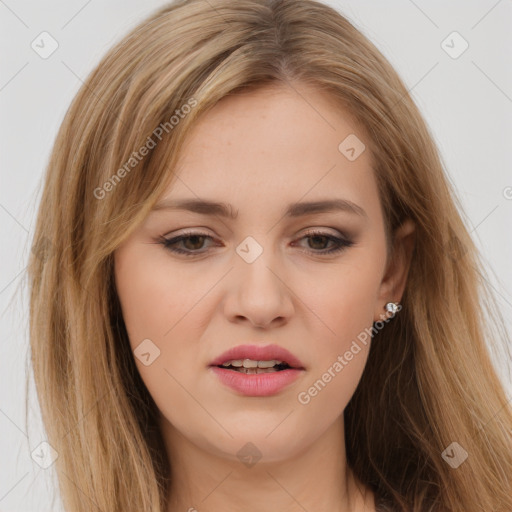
(340, 243)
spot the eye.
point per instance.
(194, 241)
(320, 238)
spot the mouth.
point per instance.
(256, 378)
(251, 367)
(255, 359)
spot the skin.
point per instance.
(259, 152)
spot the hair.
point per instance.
(429, 378)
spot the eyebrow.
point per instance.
(206, 207)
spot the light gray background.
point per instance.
(467, 103)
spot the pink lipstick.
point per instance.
(253, 370)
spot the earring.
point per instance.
(392, 307)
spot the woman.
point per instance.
(194, 348)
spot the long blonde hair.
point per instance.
(429, 380)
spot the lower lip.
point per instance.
(257, 384)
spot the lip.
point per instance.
(263, 384)
(259, 353)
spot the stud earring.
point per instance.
(392, 307)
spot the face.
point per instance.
(310, 282)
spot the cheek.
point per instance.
(160, 309)
(342, 301)
(343, 304)
(155, 299)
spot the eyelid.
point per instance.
(340, 240)
(313, 229)
(196, 230)
(324, 231)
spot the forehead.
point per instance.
(275, 144)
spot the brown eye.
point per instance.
(319, 239)
(192, 243)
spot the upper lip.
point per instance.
(258, 353)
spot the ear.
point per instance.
(395, 276)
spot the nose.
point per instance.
(258, 294)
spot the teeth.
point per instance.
(252, 371)
(235, 362)
(249, 363)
